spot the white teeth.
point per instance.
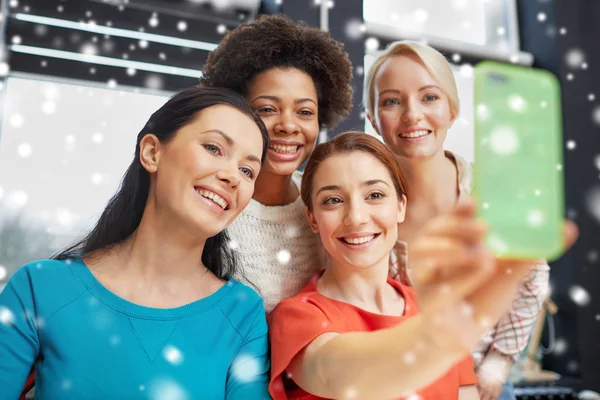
(359, 240)
(414, 134)
(214, 197)
(283, 149)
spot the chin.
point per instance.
(282, 169)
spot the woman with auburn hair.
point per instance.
(411, 99)
(297, 79)
(353, 332)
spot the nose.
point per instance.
(286, 124)
(356, 213)
(412, 112)
(229, 174)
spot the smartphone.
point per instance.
(518, 170)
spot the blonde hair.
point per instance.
(434, 62)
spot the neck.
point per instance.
(161, 251)
(275, 190)
(430, 180)
(362, 287)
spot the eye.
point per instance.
(431, 97)
(266, 110)
(307, 113)
(212, 148)
(248, 172)
(376, 196)
(391, 102)
(332, 200)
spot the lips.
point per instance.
(284, 149)
(359, 239)
(216, 198)
(415, 134)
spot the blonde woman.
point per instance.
(411, 100)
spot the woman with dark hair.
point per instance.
(297, 79)
(144, 306)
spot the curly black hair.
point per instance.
(274, 41)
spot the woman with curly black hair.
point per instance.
(297, 78)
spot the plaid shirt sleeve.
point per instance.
(510, 336)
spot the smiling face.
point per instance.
(286, 100)
(355, 209)
(411, 112)
(204, 176)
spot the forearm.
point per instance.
(497, 365)
(383, 364)
(468, 393)
(513, 331)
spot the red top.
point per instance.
(297, 321)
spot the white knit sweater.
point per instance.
(277, 250)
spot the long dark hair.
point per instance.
(124, 211)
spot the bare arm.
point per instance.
(468, 393)
(370, 364)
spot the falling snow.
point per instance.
(535, 218)
(284, 256)
(517, 103)
(153, 21)
(354, 29)
(164, 389)
(504, 140)
(560, 346)
(97, 137)
(24, 150)
(592, 200)
(421, 15)
(6, 316)
(596, 115)
(182, 26)
(245, 368)
(154, 82)
(579, 295)
(173, 355)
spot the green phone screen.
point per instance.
(518, 178)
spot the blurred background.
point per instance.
(79, 78)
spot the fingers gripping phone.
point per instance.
(518, 171)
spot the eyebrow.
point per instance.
(275, 98)
(370, 182)
(420, 89)
(230, 142)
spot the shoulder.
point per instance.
(305, 308)
(297, 177)
(244, 309)
(46, 272)
(464, 169)
(409, 293)
(48, 283)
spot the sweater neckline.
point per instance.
(288, 212)
(102, 293)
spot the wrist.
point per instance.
(497, 365)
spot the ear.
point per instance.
(402, 209)
(150, 152)
(311, 220)
(373, 124)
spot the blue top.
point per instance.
(88, 343)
